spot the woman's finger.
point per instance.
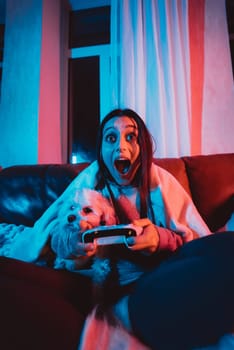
(142, 222)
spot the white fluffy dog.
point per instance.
(84, 210)
(114, 267)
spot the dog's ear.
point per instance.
(108, 216)
(97, 200)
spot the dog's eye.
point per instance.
(87, 210)
(72, 207)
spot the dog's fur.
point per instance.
(86, 208)
(114, 267)
(90, 206)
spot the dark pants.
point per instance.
(188, 300)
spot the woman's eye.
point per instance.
(131, 137)
(110, 138)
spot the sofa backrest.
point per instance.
(27, 191)
(176, 167)
(211, 181)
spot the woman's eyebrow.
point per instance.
(109, 128)
(131, 126)
(126, 126)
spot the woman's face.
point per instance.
(120, 149)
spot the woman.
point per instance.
(140, 192)
(147, 196)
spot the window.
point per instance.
(89, 41)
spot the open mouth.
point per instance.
(122, 165)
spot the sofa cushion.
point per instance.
(211, 179)
(64, 284)
(33, 318)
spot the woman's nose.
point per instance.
(121, 145)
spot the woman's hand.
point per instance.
(85, 249)
(146, 242)
(67, 243)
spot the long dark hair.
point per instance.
(146, 156)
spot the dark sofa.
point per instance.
(43, 308)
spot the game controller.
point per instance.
(115, 234)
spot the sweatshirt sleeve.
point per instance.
(168, 239)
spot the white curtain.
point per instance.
(154, 74)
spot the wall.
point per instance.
(20, 82)
(30, 105)
(52, 133)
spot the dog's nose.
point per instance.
(71, 218)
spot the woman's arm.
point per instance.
(168, 239)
